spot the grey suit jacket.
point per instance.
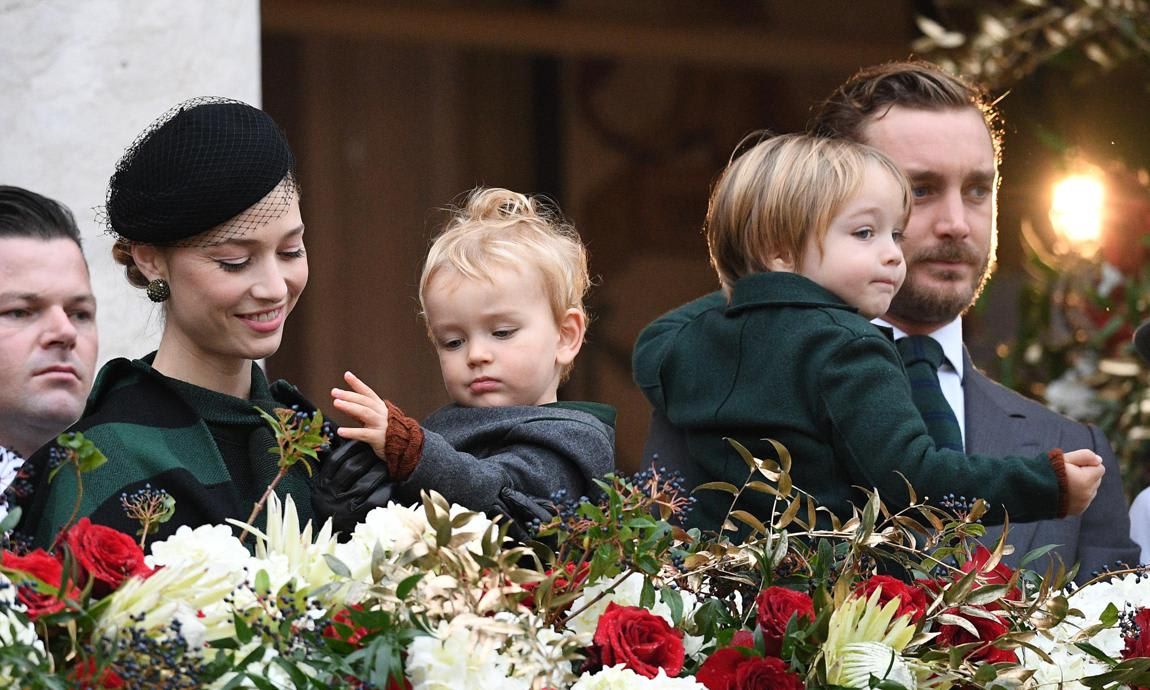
(1002, 422)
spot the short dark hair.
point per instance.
(27, 214)
(913, 84)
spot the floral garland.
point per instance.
(612, 594)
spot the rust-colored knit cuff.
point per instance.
(1058, 464)
(404, 445)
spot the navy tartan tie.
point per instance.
(922, 356)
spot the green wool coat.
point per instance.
(788, 360)
(208, 450)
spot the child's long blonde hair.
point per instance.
(774, 194)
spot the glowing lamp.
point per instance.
(1076, 209)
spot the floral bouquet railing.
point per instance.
(611, 595)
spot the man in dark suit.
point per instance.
(942, 133)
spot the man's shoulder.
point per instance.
(1014, 403)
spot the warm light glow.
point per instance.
(1076, 208)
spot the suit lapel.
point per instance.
(995, 428)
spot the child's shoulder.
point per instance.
(454, 415)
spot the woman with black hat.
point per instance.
(205, 209)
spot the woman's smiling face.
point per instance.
(229, 300)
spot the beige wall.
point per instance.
(80, 79)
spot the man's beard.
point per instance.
(924, 304)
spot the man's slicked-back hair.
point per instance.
(911, 84)
(27, 214)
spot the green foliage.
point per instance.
(299, 437)
(79, 452)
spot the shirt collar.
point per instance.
(949, 337)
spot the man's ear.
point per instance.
(572, 329)
(150, 260)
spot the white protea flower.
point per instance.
(290, 551)
(856, 662)
(622, 678)
(860, 620)
(194, 595)
(457, 658)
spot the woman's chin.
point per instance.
(265, 348)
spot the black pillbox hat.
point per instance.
(198, 166)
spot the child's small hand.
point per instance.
(1084, 470)
(365, 407)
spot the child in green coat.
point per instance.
(804, 235)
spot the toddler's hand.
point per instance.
(1084, 472)
(365, 407)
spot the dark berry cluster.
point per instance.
(57, 456)
(667, 488)
(1140, 573)
(146, 661)
(959, 505)
(16, 543)
(300, 418)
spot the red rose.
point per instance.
(84, 674)
(989, 630)
(575, 575)
(733, 668)
(44, 567)
(1000, 574)
(341, 625)
(1138, 643)
(742, 638)
(638, 639)
(718, 671)
(105, 555)
(766, 673)
(912, 600)
(776, 607)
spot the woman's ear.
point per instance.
(150, 260)
(572, 329)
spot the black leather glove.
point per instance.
(521, 510)
(350, 482)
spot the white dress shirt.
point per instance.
(950, 373)
(1140, 523)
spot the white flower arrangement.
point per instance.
(435, 596)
